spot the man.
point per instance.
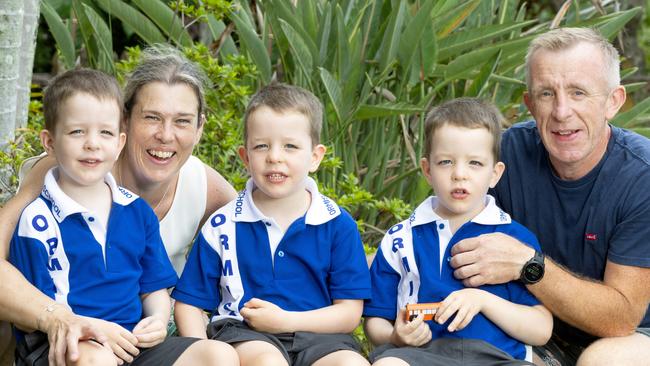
(583, 187)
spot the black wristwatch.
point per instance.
(533, 270)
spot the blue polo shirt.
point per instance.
(94, 270)
(240, 253)
(412, 266)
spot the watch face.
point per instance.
(533, 272)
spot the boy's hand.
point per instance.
(121, 341)
(150, 331)
(265, 316)
(414, 333)
(465, 303)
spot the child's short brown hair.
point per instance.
(468, 113)
(71, 82)
(282, 97)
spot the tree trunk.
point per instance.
(11, 22)
(27, 51)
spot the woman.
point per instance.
(164, 106)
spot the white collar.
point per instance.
(320, 211)
(490, 215)
(64, 206)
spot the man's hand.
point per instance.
(489, 259)
(150, 331)
(64, 332)
(120, 341)
(265, 316)
(465, 303)
(413, 333)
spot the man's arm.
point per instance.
(613, 307)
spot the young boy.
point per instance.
(281, 267)
(94, 247)
(487, 325)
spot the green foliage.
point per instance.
(26, 144)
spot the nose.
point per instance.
(165, 133)
(90, 143)
(459, 172)
(274, 155)
(561, 107)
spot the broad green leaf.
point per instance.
(140, 24)
(480, 82)
(333, 91)
(449, 23)
(253, 44)
(325, 31)
(300, 50)
(60, 33)
(392, 36)
(307, 9)
(632, 87)
(164, 17)
(467, 39)
(410, 39)
(102, 36)
(462, 66)
(643, 131)
(610, 25)
(366, 111)
(628, 118)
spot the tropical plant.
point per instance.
(379, 64)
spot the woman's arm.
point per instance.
(21, 302)
(220, 192)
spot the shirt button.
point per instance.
(280, 254)
(91, 219)
(448, 259)
(267, 223)
(441, 226)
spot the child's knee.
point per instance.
(268, 359)
(91, 353)
(209, 352)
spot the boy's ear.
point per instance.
(122, 142)
(497, 172)
(426, 169)
(47, 140)
(243, 155)
(317, 155)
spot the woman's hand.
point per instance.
(121, 341)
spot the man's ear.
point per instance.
(317, 155)
(47, 140)
(615, 101)
(528, 102)
(498, 170)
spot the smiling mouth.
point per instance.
(276, 177)
(565, 133)
(90, 161)
(161, 155)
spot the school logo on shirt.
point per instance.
(329, 205)
(239, 203)
(591, 237)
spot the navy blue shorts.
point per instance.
(33, 351)
(299, 348)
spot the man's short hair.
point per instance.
(467, 113)
(565, 38)
(282, 97)
(71, 82)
